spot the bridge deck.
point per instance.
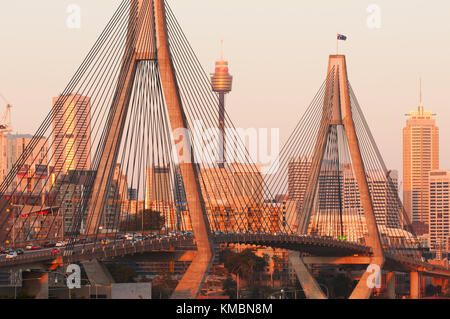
(311, 245)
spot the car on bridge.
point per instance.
(70, 242)
(60, 244)
(20, 251)
(32, 247)
(4, 251)
(11, 255)
(49, 244)
(55, 251)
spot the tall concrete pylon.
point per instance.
(147, 40)
(337, 111)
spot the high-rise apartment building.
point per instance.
(31, 176)
(298, 174)
(386, 204)
(248, 184)
(233, 194)
(159, 195)
(420, 156)
(71, 133)
(237, 185)
(439, 219)
(3, 156)
(70, 190)
(158, 186)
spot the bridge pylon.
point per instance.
(337, 112)
(148, 41)
(120, 125)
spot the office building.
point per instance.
(71, 133)
(420, 156)
(439, 220)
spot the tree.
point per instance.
(229, 286)
(246, 264)
(163, 286)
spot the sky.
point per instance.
(277, 50)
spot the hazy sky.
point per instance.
(278, 53)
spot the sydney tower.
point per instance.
(221, 82)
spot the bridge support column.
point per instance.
(445, 286)
(414, 285)
(36, 284)
(310, 286)
(190, 285)
(97, 273)
(390, 285)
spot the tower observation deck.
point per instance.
(221, 82)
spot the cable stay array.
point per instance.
(74, 182)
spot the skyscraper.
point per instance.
(71, 133)
(420, 156)
(339, 210)
(157, 188)
(439, 227)
(298, 174)
(31, 176)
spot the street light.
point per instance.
(237, 280)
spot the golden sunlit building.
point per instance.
(31, 177)
(159, 194)
(71, 133)
(439, 225)
(420, 156)
(298, 174)
(234, 195)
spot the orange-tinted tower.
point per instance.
(420, 156)
(221, 82)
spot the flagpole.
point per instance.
(337, 46)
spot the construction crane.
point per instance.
(5, 120)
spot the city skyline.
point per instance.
(128, 165)
(295, 81)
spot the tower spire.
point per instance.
(221, 82)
